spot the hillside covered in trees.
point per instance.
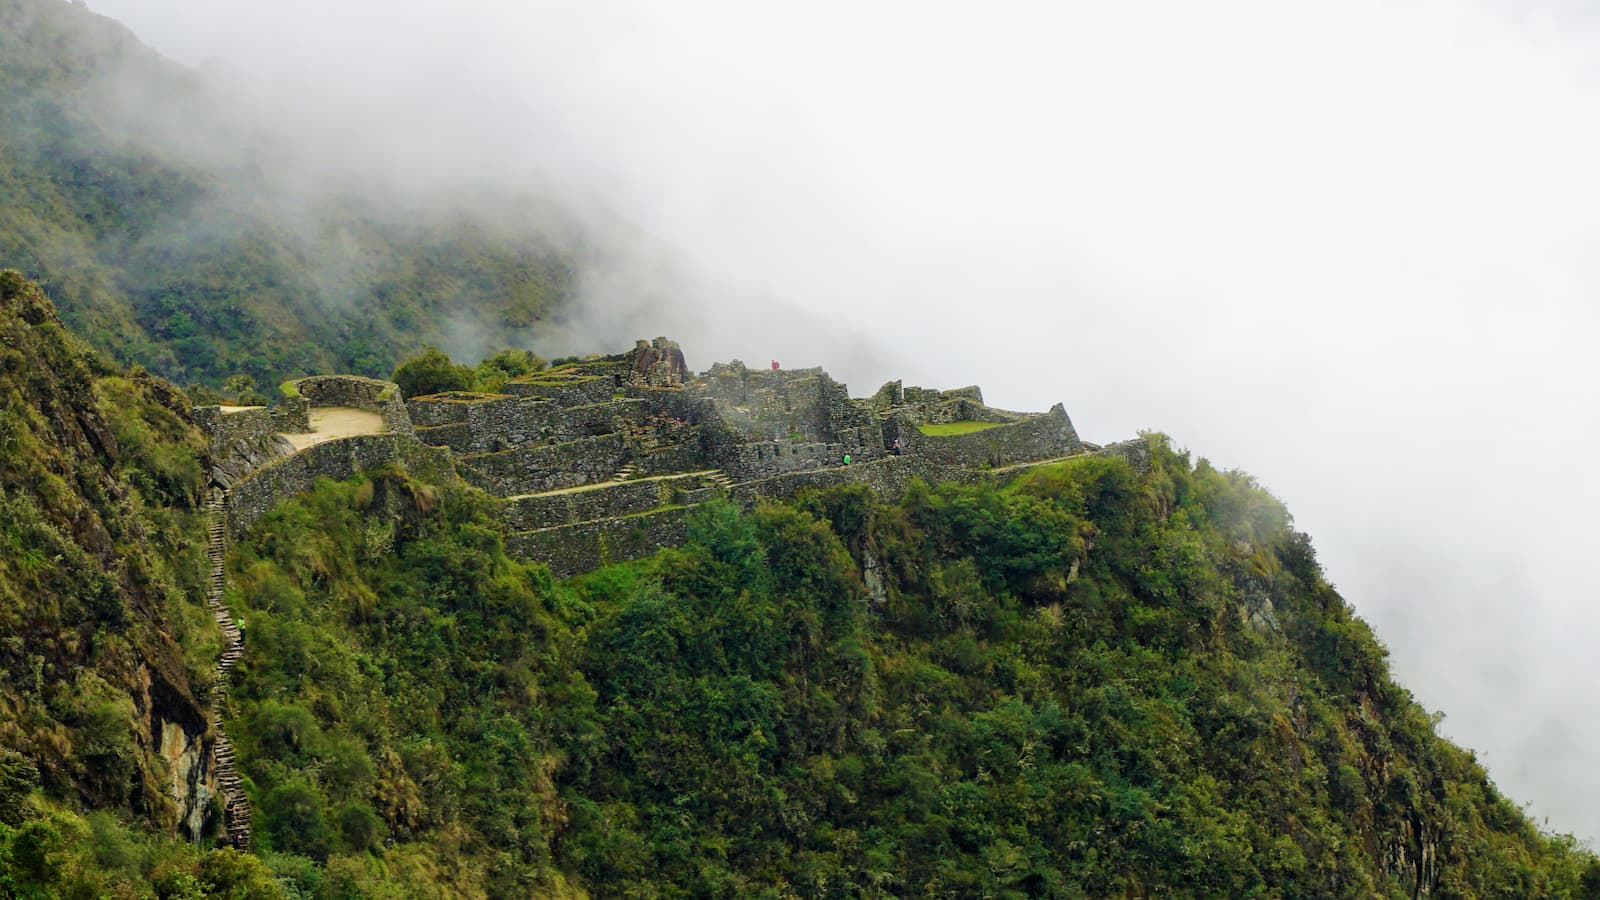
(184, 229)
(1091, 681)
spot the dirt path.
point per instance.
(329, 422)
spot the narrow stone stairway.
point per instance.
(235, 805)
(720, 479)
(627, 472)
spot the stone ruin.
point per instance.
(602, 459)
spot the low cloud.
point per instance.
(1350, 249)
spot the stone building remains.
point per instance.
(600, 460)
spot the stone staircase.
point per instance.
(235, 805)
(720, 479)
(627, 472)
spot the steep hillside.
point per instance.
(1093, 682)
(189, 232)
(101, 478)
(104, 656)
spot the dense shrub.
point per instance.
(432, 372)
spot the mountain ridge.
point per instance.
(184, 235)
(1090, 680)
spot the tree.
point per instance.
(432, 372)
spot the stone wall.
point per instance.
(292, 415)
(670, 460)
(460, 437)
(1039, 437)
(585, 546)
(449, 408)
(382, 397)
(241, 441)
(1135, 453)
(489, 423)
(256, 494)
(249, 423)
(604, 501)
(546, 467)
(946, 409)
(803, 405)
(579, 390)
(746, 462)
(887, 478)
(580, 546)
(674, 402)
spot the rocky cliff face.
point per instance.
(100, 478)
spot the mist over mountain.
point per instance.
(202, 234)
(1104, 675)
(1344, 248)
(1347, 250)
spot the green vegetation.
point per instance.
(100, 481)
(1089, 682)
(433, 372)
(498, 368)
(945, 429)
(193, 252)
(51, 851)
(101, 551)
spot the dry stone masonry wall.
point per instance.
(585, 546)
(382, 397)
(242, 440)
(601, 459)
(256, 495)
(568, 448)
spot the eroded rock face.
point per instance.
(173, 728)
(1412, 856)
(188, 766)
(245, 455)
(872, 577)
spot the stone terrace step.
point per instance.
(566, 506)
(236, 806)
(602, 485)
(582, 546)
(546, 467)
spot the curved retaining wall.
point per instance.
(382, 397)
(255, 495)
(1039, 437)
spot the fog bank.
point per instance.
(1348, 249)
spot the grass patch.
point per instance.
(945, 429)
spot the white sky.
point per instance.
(1348, 247)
